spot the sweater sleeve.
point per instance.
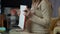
(39, 20)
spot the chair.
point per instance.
(53, 24)
(56, 30)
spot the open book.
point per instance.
(22, 17)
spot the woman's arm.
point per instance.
(39, 20)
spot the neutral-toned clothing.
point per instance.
(41, 18)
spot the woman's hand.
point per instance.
(28, 13)
(18, 12)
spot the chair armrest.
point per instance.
(53, 24)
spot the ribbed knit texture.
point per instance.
(41, 18)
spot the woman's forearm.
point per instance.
(39, 20)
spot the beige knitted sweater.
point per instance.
(41, 18)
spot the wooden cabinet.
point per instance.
(1, 20)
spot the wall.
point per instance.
(55, 5)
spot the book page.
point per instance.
(22, 17)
